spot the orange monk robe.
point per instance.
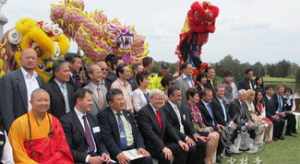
(33, 141)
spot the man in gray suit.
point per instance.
(185, 81)
(98, 87)
(17, 87)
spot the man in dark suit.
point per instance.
(83, 132)
(75, 70)
(60, 91)
(120, 131)
(160, 137)
(180, 119)
(278, 121)
(221, 109)
(17, 87)
(279, 102)
(247, 82)
(211, 75)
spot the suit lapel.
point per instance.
(77, 123)
(114, 124)
(153, 116)
(22, 87)
(94, 96)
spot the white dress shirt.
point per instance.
(64, 90)
(79, 116)
(176, 110)
(31, 84)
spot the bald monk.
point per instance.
(37, 136)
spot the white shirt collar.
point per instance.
(28, 75)
(79, 113)
(174, 106)
(153, 108)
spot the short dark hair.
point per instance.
(81, 92)
(165, 81)
(209, 68)
(191, 92)
(200, 76)
(206, 90)
(248, 70)
(57, 64)
(183, 66)
(268, 87)
(112, 93)
(111, 60)
(141, 77)
(171, 90)
(120, 69)
(147, 61)
(227, 74)
(70, 57)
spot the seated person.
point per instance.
(211, 137)
(120, 131)
(83, 132)
(277, 120)
(180, 119)
(37, 136)
(161, 139)
(245, 127)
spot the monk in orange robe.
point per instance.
(37, 136)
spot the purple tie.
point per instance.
(88, 135)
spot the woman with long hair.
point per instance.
(261, 113)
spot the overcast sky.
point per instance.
(250, 30)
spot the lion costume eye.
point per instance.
(14, 37)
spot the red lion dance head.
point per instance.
(200, 21)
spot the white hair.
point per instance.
(155, 92)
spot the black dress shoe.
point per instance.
(281, 138)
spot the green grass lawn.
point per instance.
(269, 79)
(280, 152)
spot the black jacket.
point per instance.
(244, 84)
(110, 131)
(185, 119)
(207, 119)
(57, 102)
(218, 112)
(14, 99)
(155, 136)
(270, 107)
(75, 135)
(236, 113)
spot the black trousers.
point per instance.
(278, 126)
(147, 160)
(180, 156)
(291, 123)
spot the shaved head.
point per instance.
(29, 59)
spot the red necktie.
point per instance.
(158, 119)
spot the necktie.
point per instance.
(211, 113)
(158, 119)
(224, 109)
(66, 98)
(88, 135)
(100, 97)
(123, 139)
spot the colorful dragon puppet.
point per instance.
(46, 38)
(96, 35)
(200, 21)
